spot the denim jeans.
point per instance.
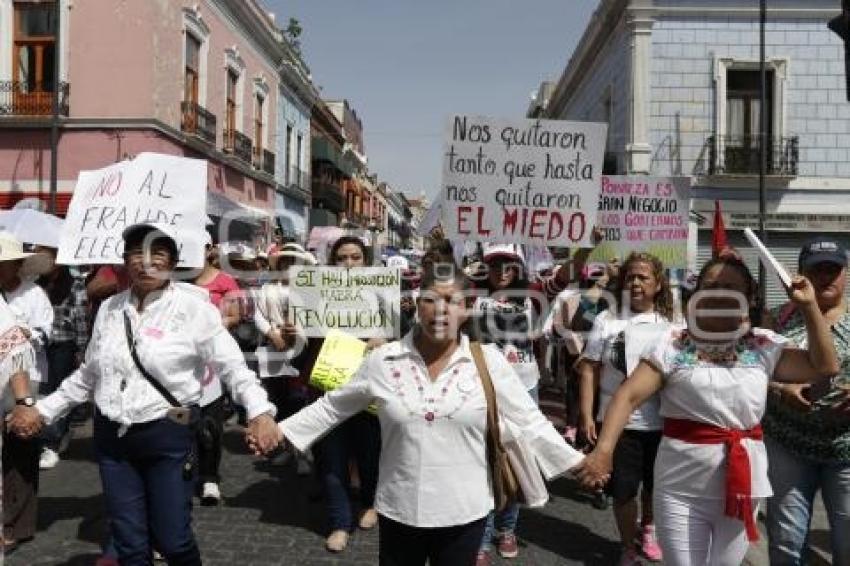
(358, 438)
(795, 482)
(148, 497)
(504, 521)
(61, 363)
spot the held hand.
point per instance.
(794, 396)
(595, 471)
(289, 332)
(25, 422)
(587, 429)
(277, 340)
(374, 343)
(597, 236)
(263, 435)
(802, 292)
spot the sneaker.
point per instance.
(210, 494)
(629, 558)
(483, 558)
(368, 519)
(507, 546)
(48, 459)
(649, 545)
(337, 541)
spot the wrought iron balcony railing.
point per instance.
(739, 155)
(238, 144)
(23, 98)
(198, 120)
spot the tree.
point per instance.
(293, 33)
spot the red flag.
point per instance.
(718, 234)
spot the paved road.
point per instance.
(268, 517)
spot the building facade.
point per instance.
(297, 95)
(330, 171)
(191, 78)
(678, 83)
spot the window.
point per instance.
(299, 148)
(258, 126)
(34, 48)
(743, 110)
(291, 176)
(192, 72)
(230, 108)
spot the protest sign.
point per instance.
(361, 301)
(521, 181)
(644, 214)
(162, 189)
(338, 360)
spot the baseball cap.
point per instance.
(506, 251)
(822, 250)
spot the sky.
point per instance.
(407, 65)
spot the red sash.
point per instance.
(739, 502)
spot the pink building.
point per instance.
(188, 77)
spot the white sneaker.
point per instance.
(48, 459)
(210, 494)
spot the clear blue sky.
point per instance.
(405, 65)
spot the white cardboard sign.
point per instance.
(521, 181)
(153, 187)
(361, 301)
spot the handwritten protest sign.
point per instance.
(362, 301)
(521, 181)
(157, 188)
(338, 360)
(647, 214)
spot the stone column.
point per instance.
(639, 23)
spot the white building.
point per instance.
(678, 83)
(297, 94)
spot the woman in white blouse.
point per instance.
(713, 380)
(144, 444)
(434, 491)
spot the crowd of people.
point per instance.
(687, 406)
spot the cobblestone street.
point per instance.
(271, 516)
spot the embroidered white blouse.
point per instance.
(731, 396)
(433, 466)
(33, 310)
(177, 335)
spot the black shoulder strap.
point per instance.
(131, 343)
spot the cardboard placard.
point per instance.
(338, 360)
(521, 181)
(163, 189)
(645, 214)
(361, 301)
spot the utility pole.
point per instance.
(763, 147)
(54, 122)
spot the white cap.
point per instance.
(510, 251)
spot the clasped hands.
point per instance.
(25, 422)
(595, 470)
(263, 435)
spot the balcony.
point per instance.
(198, 121)
(264, 160)
(328, 196)
(739, 155)
(26, 99)
(298, 178)
(238, 144)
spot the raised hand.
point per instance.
(24, 421)
(263, 435)
(802, 292)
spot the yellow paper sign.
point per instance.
(339, 358)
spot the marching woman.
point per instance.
(506, 315)
(434, 491)
(149, 350)
(358, 439)
(713, 382)
(645, 307)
